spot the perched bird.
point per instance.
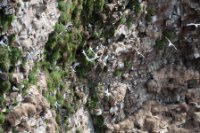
(193, 24)
(30, 93)
(98, 112)
(196, 105)
(107, 93)
(56, 105)
(105, 58)
(170, 43)
(15, 88)
(74, 65)
(3, 40)
(68, 26)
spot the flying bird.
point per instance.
(90, 59)
(193, 24)
(170, 43)
(139, 53)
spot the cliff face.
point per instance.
(34, 21)
(101, 67)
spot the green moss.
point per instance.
(149, 14)
(5, 86)
(98, 123)
(51, 100)
(99, 5)
(117, 73)
(26, 86)
(59, 28)
(5, 26)
(109, 32)
(4, 59)
(62, 6)
(10, 18)
(128, 64)
(64, 18)
(11, 38)
(1, 100)
(89, 7)
(122, 20)
(169, 33)
(6, 21)
(54, 80)
(78, 130)
(1, 129)
(134, 5)
(58, 118)
(70, 108)
(59, 97)
(32, 76)
(160, 43)
(2, 118)
(55, 56)
(15, 54)
(92, 102)
(129, 21)
(137, 8)
(19, 4)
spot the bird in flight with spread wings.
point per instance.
(193, 24)
(170, 43)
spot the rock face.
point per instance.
(34, 21)
(162, 83)
(141, 84)
(81, 120)
(171, 78)
(118, 92)
(31, 113)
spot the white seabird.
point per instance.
(193, 24)
(170, 43)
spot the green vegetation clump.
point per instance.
(19, 4)
(5, 86)
(137, 8)
(60, 52)
(15, 55)
(117, 73)
(100, 5)
(5, 20)
(9, 55)
(134, 5)
(32, 76)
(92, 102)
(11, 38)
(160, 43)
(62, 6)
(169, 33)
(98, 123)
(149, 14)
(4, 59)
(89, 5)
(2, 118)
(128, 64)
(78, 130)
(54, 79)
